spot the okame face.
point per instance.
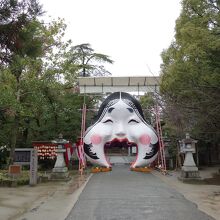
(121, 122)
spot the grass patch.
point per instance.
(23, 179)
(8, 180)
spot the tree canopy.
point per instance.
(191, 71)
(35, 102)
(87, 62)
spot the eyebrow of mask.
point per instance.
(130, 110)
(110, 110)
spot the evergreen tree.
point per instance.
(87, 62)
(190, 71)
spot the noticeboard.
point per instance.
(27, 156)
(22, 156)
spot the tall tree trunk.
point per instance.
(84, 68)
(14, 134)
(25, 133)
(15, 124)
(56, 121)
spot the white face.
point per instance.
(121, 122)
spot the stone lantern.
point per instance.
(189, 168)
(60, 171)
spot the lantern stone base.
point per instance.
(60, 173)
(60, 170)
(189, 174)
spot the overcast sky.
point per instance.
(132, 32)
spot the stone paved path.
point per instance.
(125, 195)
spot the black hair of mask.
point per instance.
(114, 98)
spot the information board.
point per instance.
(27, 156)
(22, 157)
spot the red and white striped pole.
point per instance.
(82, 160)
(161, 156)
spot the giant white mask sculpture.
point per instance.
(120, 120)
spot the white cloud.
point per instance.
(132, 32)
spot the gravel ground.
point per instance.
(122, 194)
(205, 196)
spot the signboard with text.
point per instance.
(27, 156)
(22, 156)
(33, 167)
